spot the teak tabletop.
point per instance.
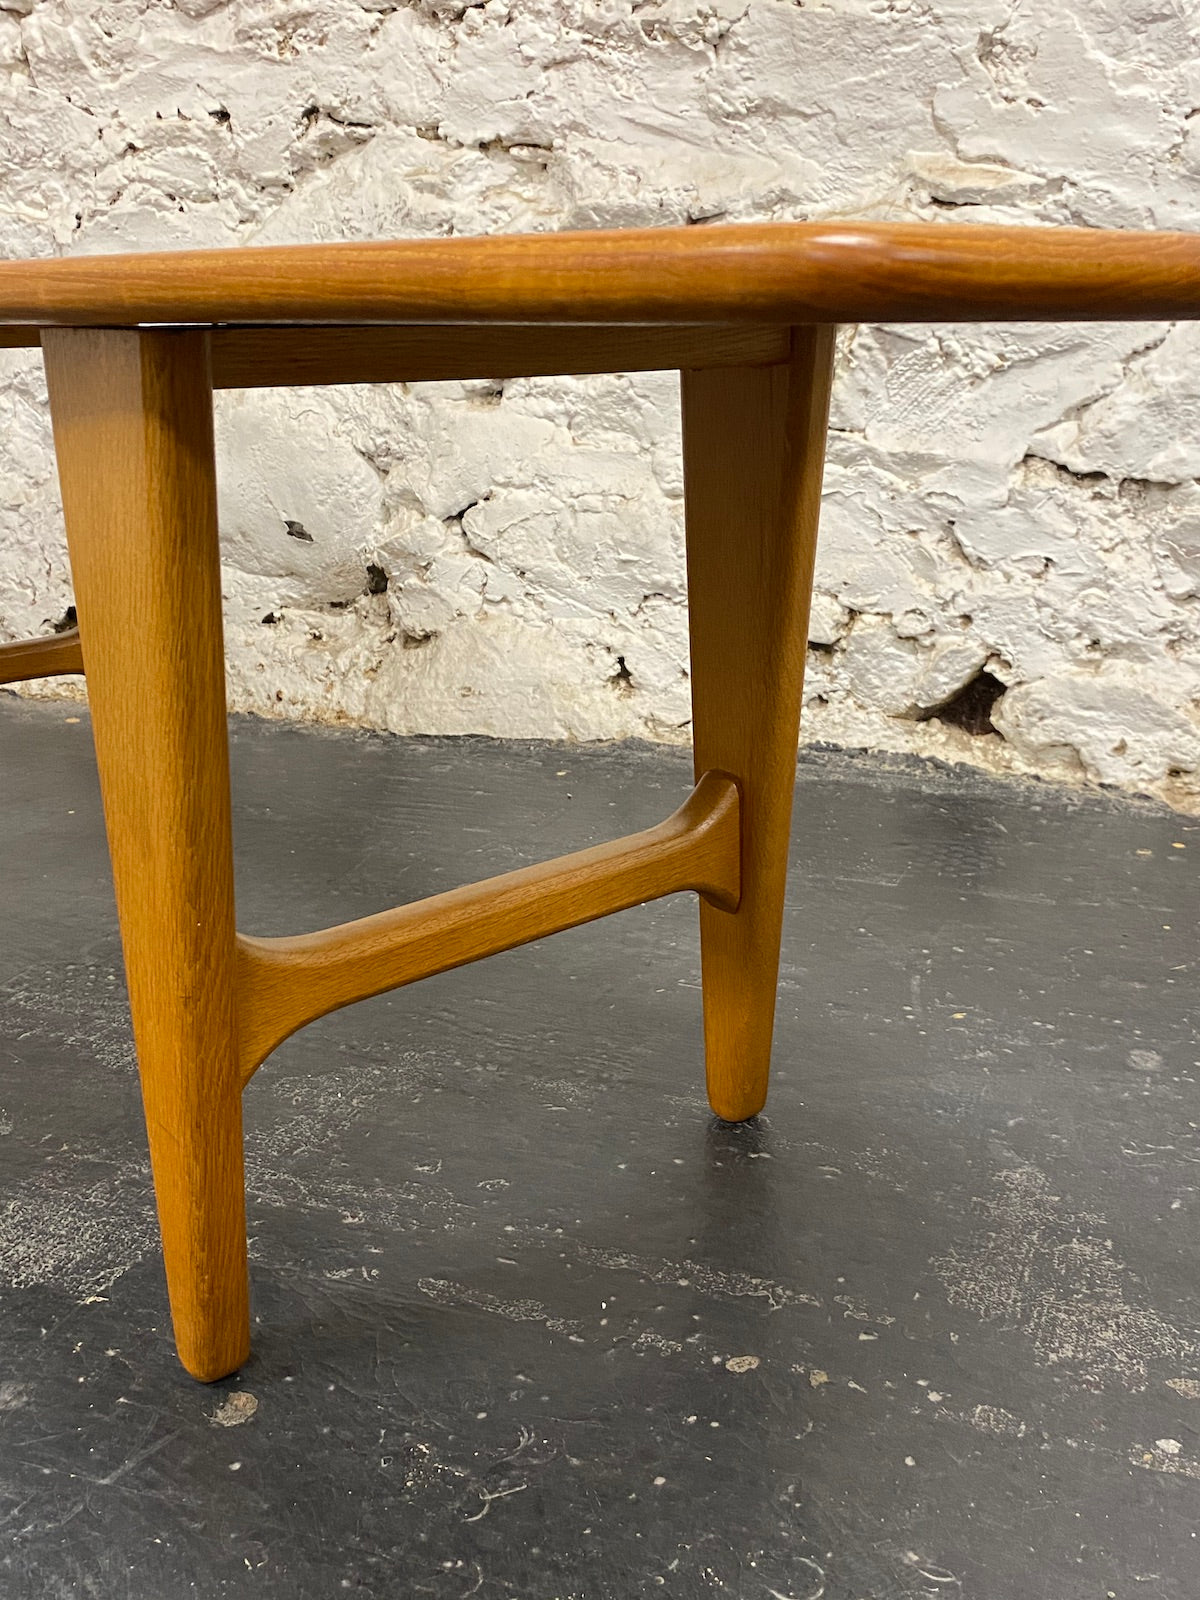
(133, 348)
(787, 272)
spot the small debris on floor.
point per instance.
(235, 1409)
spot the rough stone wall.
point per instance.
(1011, 536)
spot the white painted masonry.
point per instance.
(1019, 500)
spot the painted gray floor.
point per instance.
(529, 1323)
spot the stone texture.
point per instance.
(508, 558)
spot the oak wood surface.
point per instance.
(787, 272)
(48, 657)
(753, 452)
(132, 420)
(284, 983)
(247, 358)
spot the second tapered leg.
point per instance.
(754, 449)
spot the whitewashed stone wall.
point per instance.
(1020, 502)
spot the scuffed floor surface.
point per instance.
(528, 1322)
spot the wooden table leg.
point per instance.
(133, 432)
(754, 449)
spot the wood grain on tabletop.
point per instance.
(786, 272)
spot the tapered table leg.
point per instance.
(132, 418)
(754, 447)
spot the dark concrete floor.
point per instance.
(528, 1322)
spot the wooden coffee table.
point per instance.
(133, 348)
